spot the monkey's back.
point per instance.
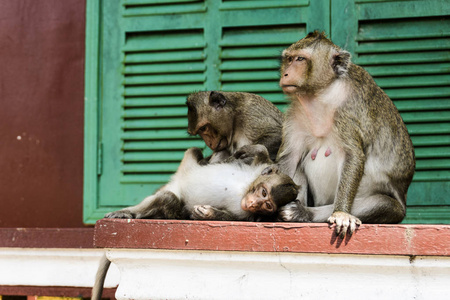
(383, 131)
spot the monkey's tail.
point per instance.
(103, 267)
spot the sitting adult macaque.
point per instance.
(232, 190)
(227, 121)
(344, 141)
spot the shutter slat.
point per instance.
(251, 52)
(155, 112)
(257, 64)
(243, 4)
(421, 117)
(162, 145)
(400, 70)
(432, 175)
(165, 68)
(411, 93)
(157, 156)
(431, 140)
(252, 87)
(403, 45)
(422, 104)
(172, 78)
(431, 152)
(155, 101)
(438, 128)
(153, 2)
(150, 167)
(164, 134)
(399, 58)
(413, 81)
(169, 56)
(159, 178)
(255, 36)
(255, 75)
(154, 41)
(180, 89)
(155, 123)
(427, 164)
(404, 29)
(163, 10)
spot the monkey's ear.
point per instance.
(341, 62)
(217, 100)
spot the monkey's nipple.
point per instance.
(328, 152)
(314, 153)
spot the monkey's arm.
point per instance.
(350, 178)
(208, 212)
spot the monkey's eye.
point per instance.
(264, 192)
(201, 129)
(299, 58)
(268, 206)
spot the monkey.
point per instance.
(344, 142)
(234, 189)
(227, 121)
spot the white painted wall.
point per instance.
(159, 274)
(53, 267)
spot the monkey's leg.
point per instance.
(379, 208)
(162, 205)
(207, 212)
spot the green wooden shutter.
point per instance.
(405, 46)
(143, 57)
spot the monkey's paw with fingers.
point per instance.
(203, 212)
(120, 214)
(344, 222)
(293, 212)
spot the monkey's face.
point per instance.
(268, 192)
(258, 200)
(311, 64)
(295, 68)
(209, 117)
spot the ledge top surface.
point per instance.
(429, 240)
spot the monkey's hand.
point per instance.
(256, 154)
(120, 214)
(294, 212)
(203, 212)
(344, 222)
(272, 169)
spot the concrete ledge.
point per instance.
(411, 240)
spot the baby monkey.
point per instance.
(232, 190)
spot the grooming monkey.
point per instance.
(226, 121)
(344, 141)
(232, 190)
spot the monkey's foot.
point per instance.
(293, 212)
(203, 212)
(120, 214)
(344, 222)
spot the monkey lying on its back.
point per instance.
(232, 190)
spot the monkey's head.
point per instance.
(269, 192)
(312, 64)
(210, 116)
